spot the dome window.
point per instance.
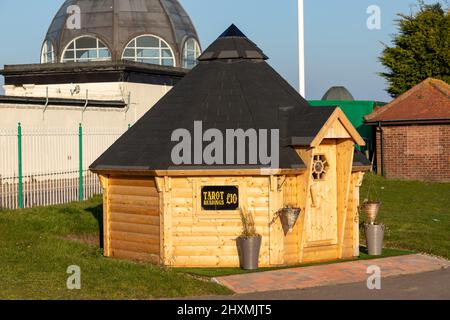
(191, 52)
(47, 53)
(86, 49)
(151, 50)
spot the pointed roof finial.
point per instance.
(233, 44)
(233, 31)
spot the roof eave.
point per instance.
(196, 173)
(37, 68)
(376, 122)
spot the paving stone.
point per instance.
(339, 273)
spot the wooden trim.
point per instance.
(307, 156)
(159, 184)
(200, 173)
(344, 157)
(276, 236)
(338, 115)
(104, 180)
(166, 224)
(162, 199)
(358, 183)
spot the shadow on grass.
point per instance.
(97, 213)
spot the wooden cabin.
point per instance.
(160, 212)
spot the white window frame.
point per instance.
(45, 52)
(160, 48)
(197, 52)
(75, 50)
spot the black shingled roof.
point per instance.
(224, 93)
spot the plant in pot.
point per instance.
(374, 231)
(249, 243)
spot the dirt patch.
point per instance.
(92, 239)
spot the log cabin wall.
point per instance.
(132, 219)
(160, 219)
(197, 238)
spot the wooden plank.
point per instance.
(199, 262)
(183, 232)
(134, 228)
(322, 248)
(158, 183)
(132, 182)
(162, 208)
(305, 182)
(167, 245)
(320, 254)
(204, 241)
(200, 251)
(358, 180)
(134, 191)
(135, 200)
(344, 162)
(134, 218)
(135, 246)
(337, 131)
(135, 237)
(106, 220)
(276, 236)
(134, 209)
(212, 230)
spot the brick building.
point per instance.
(413, 134)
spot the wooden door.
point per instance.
(322, 220)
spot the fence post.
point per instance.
(19, 149)
(80, 152)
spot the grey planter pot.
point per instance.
(374, 238)
(249, 249)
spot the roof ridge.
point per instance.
(441, 86)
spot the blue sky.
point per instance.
(340, 49)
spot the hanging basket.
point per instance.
(371, 209)
(290, 216)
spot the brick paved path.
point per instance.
(334, 274)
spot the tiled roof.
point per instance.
(429, 100)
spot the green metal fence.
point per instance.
(46, 166)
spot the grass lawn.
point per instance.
(37, 247)
(417, 214)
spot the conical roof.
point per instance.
(238, 90)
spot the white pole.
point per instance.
(301, 49)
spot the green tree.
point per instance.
(420, 50)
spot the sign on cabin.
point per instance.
(220, 198)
